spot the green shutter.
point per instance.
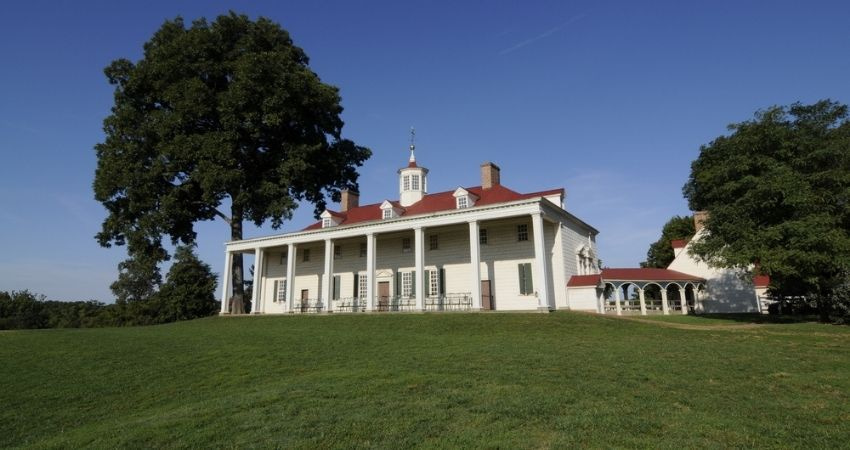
(337, 282)
(521, 277)
(398, 284)
(529, 284)
(427, 287)
(413, 283)
(442, 281)
(356, 285)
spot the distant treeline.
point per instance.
(23, 309)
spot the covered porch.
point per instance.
(643, 291)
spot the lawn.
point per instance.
(434, 380)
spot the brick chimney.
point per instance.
(699, 219)
(349, 200)
(489, 175)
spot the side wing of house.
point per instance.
(728, 290)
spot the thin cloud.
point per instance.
(542, 36)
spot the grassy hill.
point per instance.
(447, 380)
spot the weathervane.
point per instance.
(412, 143)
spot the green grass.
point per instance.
(441, 380)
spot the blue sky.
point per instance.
(610, 100)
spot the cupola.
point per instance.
(412, 180)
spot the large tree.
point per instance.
(778, 192)
(660, 253)
(217, 116)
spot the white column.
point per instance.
(642, 302)
(682, 300)
(419, 255)
(370, 272)
(256, 297)
(327, 288)
(226, 276)
(617, 301)
(664, 305)
(600, 301)
(541, 268)
(475, 265)
(291, 254)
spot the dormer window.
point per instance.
(389, 210)
(414, 182)
(330, 219)
(464, 199)
(406, 183)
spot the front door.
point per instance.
(383, 296)
(305, 295)
(486, 296)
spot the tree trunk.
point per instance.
(237, 303)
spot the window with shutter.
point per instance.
(280, 291)
(526, 286)
(407, 286)
(432, 281)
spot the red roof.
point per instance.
(432, 203)
(647, 274)
(584, 280)
(679, 243)
(761, 280)
(631, 275)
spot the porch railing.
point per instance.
(308, 306)
(449, 302)
(351, 304)
(396, 303)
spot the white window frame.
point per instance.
(280, 295)
(434, 283)
(414, 182)
(326, 222)
(406, 284)
(362, 289)
(522, 232)
(462, 202)
(388, 214)
(405, 183)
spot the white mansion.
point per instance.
(471, 249)
(475, 248)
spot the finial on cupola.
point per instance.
(412, 144)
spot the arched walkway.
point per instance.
(648, 291)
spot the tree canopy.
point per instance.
(189, 288)
(660, 253)
(214, 116)
(778, 192)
